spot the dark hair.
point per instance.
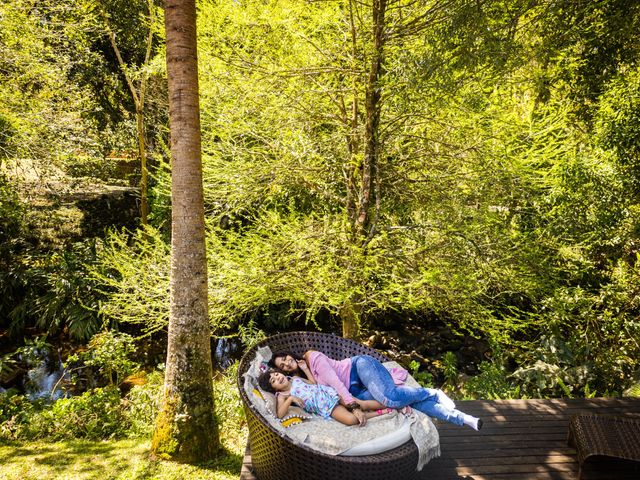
(264, 380)
(283, 354)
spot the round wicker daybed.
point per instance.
(275, 457)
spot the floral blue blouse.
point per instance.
(318, 399)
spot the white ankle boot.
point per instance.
(473, 422)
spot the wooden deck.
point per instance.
(520, 440)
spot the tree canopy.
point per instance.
(472, 163)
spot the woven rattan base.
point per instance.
(604, 436)
(275, 457)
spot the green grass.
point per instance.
(28, 458)
(129, 459)
(108, 460)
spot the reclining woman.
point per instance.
(364, 378)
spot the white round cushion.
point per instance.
(382, 444)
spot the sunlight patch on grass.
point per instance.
(106, 460)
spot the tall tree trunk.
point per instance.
(364, 214)
(186, 429)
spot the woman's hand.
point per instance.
(302, 365)
(359, 402)
(298, 401)
(359, 414)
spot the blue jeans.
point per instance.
(371, 381)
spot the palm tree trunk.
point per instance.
(186, 429)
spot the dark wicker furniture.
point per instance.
(609, 436)
(274, 457)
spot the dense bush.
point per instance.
(95, 414)
(49, 291)
(108, 354)
(103, 413)
(16, 413)
(140, 406)
(12, 231)
(107, 412)
(491, 383)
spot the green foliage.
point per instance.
(229, 411)
(109, 353)
(41, 109)
(101, 413)
(583, 45)
(492, 383)
(57, 293)
(501, 211)
(618, 123)
(423, 378)
(48, 290)
(450, 368)
(633, 390)
(28, 355)
(556, 371)
(7, 132)
(133, 274)
(8, 365)
(95, 167)
(444, 206)
(506, 183)
(16, 412)
(250, 335)
(12, 228)
(140, 406)
(96, 414)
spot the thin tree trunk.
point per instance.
(363, 216)
(364, 222)
(185, 429)
(144, 173)
(138, 100)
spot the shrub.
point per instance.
(109, 353)
(492, 382)
(133, 274)
(51, 291)
(450, 368)
(229, 411)
(140, 406)
(423, 378)
(96, 414)
(15, 414)
(100, 413)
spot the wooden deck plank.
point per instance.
(498, 453)
(520, 440)
(246, 472)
